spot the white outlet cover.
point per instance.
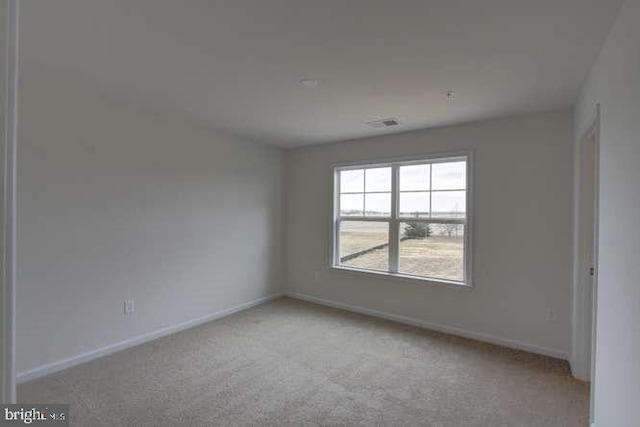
(129, 306)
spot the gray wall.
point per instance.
(522, 230)
(614, 83)
(116, 203)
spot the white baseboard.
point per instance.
(579, 370)
(479, 336)
(59, 365)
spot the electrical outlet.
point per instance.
(129, 306)
(316, 276)
(551, 315)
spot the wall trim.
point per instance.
(465, 333)
(8, 178)
(583, 294)
(62, 364)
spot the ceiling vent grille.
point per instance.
(384, 123)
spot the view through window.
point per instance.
(407, 218)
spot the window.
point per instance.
(406, 218)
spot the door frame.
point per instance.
(8, 161)
(583, 298)
(594, 280)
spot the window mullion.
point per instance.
(394, 238)
(431, 190)
(364, 192)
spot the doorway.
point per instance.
(586, 255)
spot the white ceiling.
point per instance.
(236, 64)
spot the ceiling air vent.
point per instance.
(384, 123)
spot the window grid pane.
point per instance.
(432, 250)
(378, 180)
(448, 204)
(352, 181)
(449, 176)
(377, 204)
(352, 204)
(415, 177)
(415, 204)
(364, 244)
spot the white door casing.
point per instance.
(8, 145)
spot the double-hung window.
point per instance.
(405, 218)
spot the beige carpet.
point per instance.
(294, 363)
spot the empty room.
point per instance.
(320, 213)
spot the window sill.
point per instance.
(404, 278)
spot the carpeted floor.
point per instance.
(293, 363)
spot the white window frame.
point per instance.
(395, 219)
